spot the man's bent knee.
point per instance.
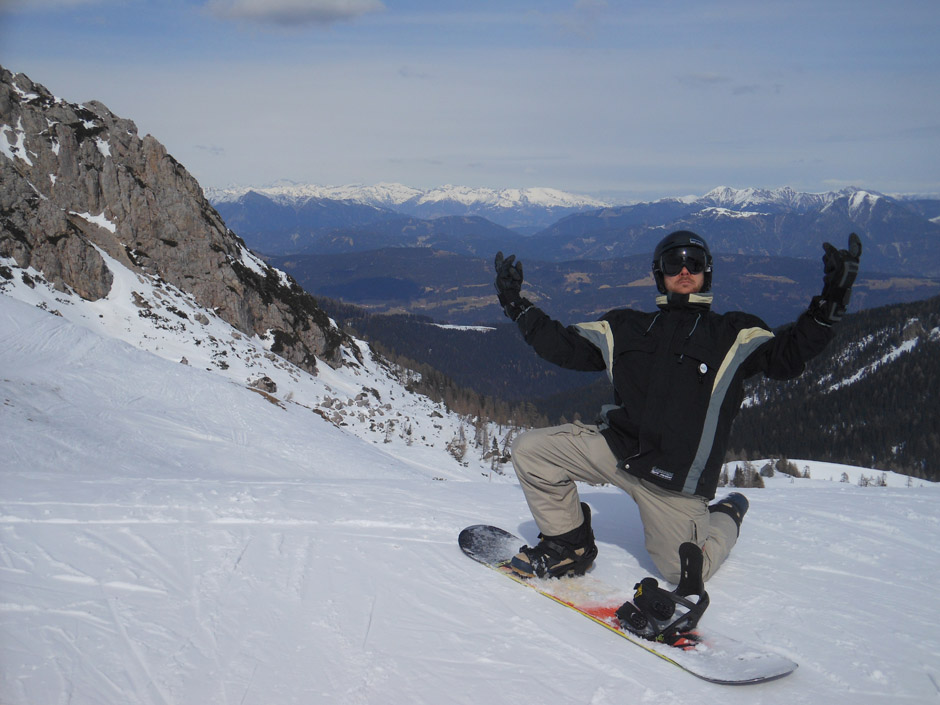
(523, 444)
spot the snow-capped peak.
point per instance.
(510, 197)
(859, 200)
(755, 197)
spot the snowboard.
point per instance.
(713, 657)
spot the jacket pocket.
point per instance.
(706, 358)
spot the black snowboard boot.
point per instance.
(571, 553)
(734, 505)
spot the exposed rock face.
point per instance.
(76, 178)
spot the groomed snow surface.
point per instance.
(168, 535)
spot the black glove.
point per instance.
(509, 286)
(840, 269)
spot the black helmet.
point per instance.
(685, 240)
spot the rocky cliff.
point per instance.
(78, 183)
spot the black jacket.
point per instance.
(678, 377)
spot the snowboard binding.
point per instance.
(667, 617)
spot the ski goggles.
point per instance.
(692, 258)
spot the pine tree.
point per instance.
(723, 479)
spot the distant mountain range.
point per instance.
(370, 246)
(900, 235)
(526, 210)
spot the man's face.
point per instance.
(683, 269)
(684, 282)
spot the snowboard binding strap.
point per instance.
(669, 617)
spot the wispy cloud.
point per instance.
(46, 4)
(293, 12)
(212, 149)
(410, 72)
(703, 79)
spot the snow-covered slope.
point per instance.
(365, 398)
(168, 535)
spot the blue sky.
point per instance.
(629, 100)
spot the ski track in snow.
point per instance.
(168, 536)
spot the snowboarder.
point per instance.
(678, 376)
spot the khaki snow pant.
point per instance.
(548, 461)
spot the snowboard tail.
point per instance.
(711, 656)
